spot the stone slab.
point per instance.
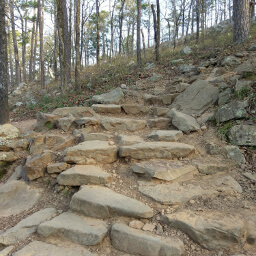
(107, 108)
(165, 135)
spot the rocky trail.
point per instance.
(142, 171)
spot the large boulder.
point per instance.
(186, 50)
(212, 230)
(8, 132)
(233, 110)
(183, 121)
(112, 97)
(16, 197)
(247, 67)
(230, 61)
(198, 97)
(243, 135)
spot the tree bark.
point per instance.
(78, 60)
(32, 47)
(4, 110)
(10, 54)
(241, 20)
(97, 32)
(138, 32)
(121, 18)
(144, 44)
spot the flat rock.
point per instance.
(135, 241)
(130, 109)
(233, 110)
(158, 111)
(107, 108)
(91, 152)
(96, 136)
(225, 97)
(159, 123)
(38, 248)
(213, 230)
(26, 227)
(75, 228)
(247, 66)
(123, 124)
(64, 123)
(36, 165)
(83, 175)
(107, 203)
(6, 251)
(243, 135)
(183, 121)
(57, 167)
(211, 168)
(8, 156)
(155, 100)
(151, 150)
(127, 140)
(16, 197)
(163, 170)
(75, 111)
(250, 176)
(198, 97)
(172, 194)
(87, 121)
(230, 61)
(112, 97)
(235, 154)
(165, 135)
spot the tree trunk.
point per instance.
(197, 20)
(144, 44)
(56, 41)
(241, 20)
(97, 32)
(138, 32)
(158, 30)
(32, 47)
(78, 60)
(121, 18)
(15, 46)
(252, 10)
(4, 109)
(35, 47)
(41, 34)
(149, 22)
(10, 54)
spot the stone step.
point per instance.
(212, 230)
(164, 170)
(165, 99)
(126, 140)
(75, 228)
(101, 202)
(131, 109)
(165, 135)
(135, 241)
(123, 124)
(151, 150)
(107, 108)
(37, 248)
(96, 136)
(91, 152)
(83, 175)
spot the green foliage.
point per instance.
(48, 125)
(224, 130)
(243, 93)
(248, 75)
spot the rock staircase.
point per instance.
(142, 187)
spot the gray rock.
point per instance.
(74, 111)
(198, 97)
(112, 97)
(37, 248)
(17, 174)
(161, 150)
(233, 110)
(225, 97)
(123, 124)
(87, 121)
(26, 227)
(150, 66)
(159, 123)
(130, 109)
(107, 108)
(107, 203)
(183, 121)
(213, 230)
(230, 61)
(83, 175)
(65, 123)
(36, 165)
(6, 251)
(135, 241)
(172, 194)
(250, 176)
(158, 111)
(16, 197)
(234, 153)
(91, 152)
(175, 62)
(165, 99)
(164, 170)
(165, 135)
(211, 168)
(75, 228)
(127, 140)
(247, 66)
(242, 84)
(57, 167)
(96, 136)
(243, 135)
(155, 77)
(252, 47)
(186, 50)
(184, 68)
